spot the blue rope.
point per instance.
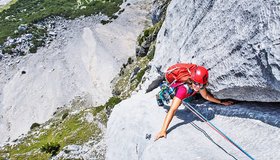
(215, 128)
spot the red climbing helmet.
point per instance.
(200, 75)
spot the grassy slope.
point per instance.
(32, 11)
(7, 6)
(68, 126)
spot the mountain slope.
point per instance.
(82, 61)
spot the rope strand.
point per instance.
(215, 128)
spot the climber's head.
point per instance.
(199, 77)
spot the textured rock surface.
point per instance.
(253, 126)
(239, 41)
(89, 150)
(157, 10)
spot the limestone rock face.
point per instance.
(135, 122)
(238, 41)
(157, 10)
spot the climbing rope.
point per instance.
(215, 128)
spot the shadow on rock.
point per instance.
(187, 116)
(266, 112)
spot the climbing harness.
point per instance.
(165, 94)
(200, 116)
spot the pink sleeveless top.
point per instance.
(182, 90)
